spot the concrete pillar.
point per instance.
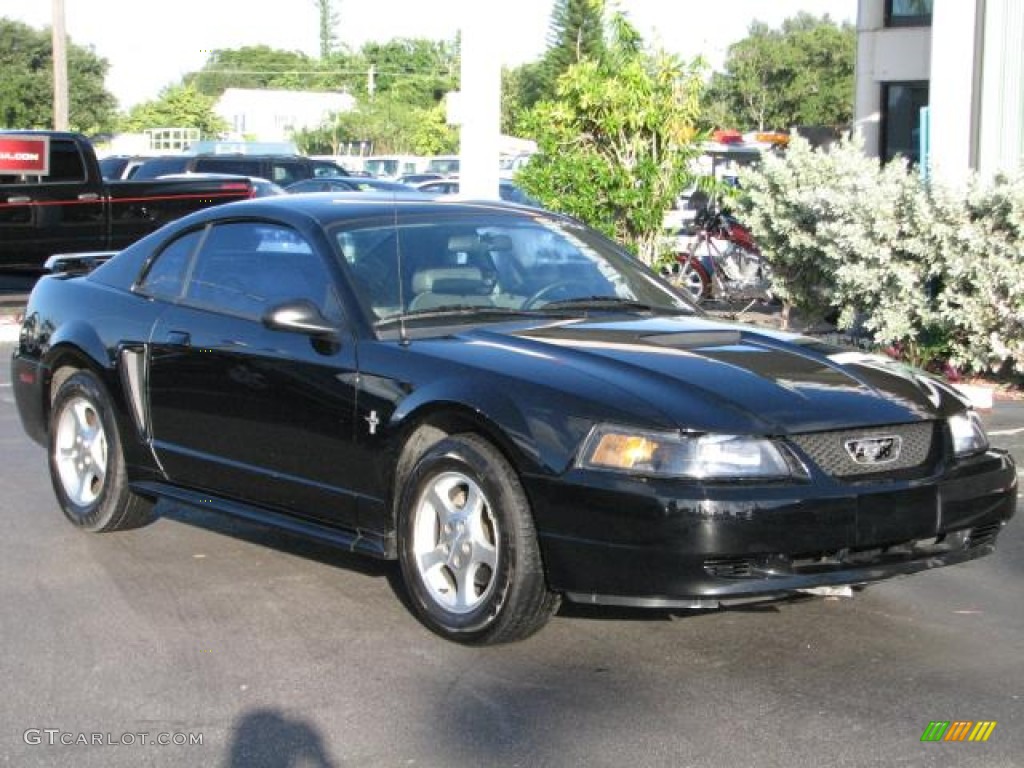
(1000, 130)
(868, 97)
(952, 94)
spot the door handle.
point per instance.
(18, 199)
(179, 338)
(88, 197)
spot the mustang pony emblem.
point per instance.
(874, 450)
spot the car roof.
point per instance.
(328, 207)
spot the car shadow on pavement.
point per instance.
(273, 538)
(267, 738)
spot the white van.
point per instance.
(392, 166)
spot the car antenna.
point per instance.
(403, 338)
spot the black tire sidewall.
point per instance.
(456, 455)
(98, 515)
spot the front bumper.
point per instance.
(631, 541)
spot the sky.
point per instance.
(150, 44)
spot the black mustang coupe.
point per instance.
(499, 398)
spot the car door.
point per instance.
(238, 409)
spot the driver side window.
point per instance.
(246, 268)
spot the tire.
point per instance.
(468, 547)
(688, 274)
(86, 460)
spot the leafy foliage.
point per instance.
(575, 32)
(178, 106)
(933, 272)
(615, 147)
(801, 74)
(257, 66)
(415, 71)
(26, 86)
(390, 126)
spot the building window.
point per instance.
(901, 119)
(908, 13)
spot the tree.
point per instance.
(179, 106)
(801, 74)
(615, 147)
(575, 32)
(328, 19)
(521, 88)
(256, 66)
(26, 86)
(391, 126)
(416, 71)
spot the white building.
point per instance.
(271, 115)
(964, 61)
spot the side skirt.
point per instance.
(350, 540)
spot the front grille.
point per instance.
(828, 449)
(807, 563)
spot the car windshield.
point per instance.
(485, 266)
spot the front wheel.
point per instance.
(86, 462)
(468, 548)
(687, 273)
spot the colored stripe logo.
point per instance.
(958, 730)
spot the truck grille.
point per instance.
(828, 450)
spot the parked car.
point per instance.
(260, 187)
(280, 169)
(446, 165)
(54, 200)
(507, 190)
(415, 178)
(502, 400)
(114, 167)
(348, 184)
(391, 166)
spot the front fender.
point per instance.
(535, 430)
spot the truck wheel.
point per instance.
(468, 548)
(86, 462)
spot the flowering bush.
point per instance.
(934, 272)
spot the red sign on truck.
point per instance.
(25, 154)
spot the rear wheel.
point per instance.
(86, 462)
(468, 547)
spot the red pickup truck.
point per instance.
(53, 199)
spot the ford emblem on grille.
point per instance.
(874, 450)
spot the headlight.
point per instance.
(670, 454)
(968, 434)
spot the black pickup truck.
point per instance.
(53, 199)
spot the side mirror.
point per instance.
(299, 316)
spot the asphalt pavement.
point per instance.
(279, 654)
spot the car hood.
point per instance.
(696, 373)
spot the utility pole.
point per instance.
(371, 83)
(479, 104)
(60, 68)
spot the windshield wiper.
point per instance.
(451, 310)
(608, 302)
